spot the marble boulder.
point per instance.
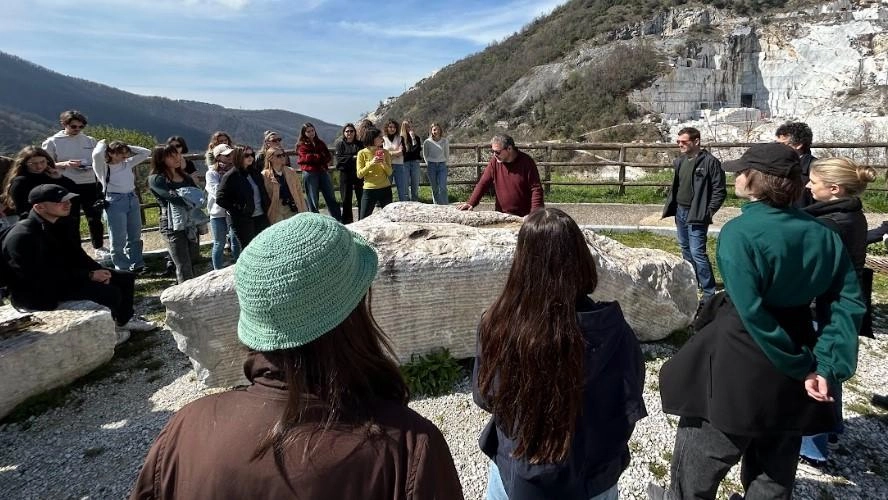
(58, 348)
(439, 268)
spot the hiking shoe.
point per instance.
(880, 401)
(139, 325)
(122, 335)
(102, 254)
(812, 466)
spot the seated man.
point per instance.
(46, 266)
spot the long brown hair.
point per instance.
(532, 348)
(216, 139)
(20, 167)
(334, 380)
(158, 155)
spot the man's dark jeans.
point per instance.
(703, 456)
(692, 240)
(117, 295)
(89, 193)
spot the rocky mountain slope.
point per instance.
(31, 98)
(612, 70)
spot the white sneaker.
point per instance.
(103, 254)
(122, 335)
(139, 325)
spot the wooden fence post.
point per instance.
(547, 175)
(478, 160)
(622, 159)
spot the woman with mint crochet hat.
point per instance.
(325, 414)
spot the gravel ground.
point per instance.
(92, 442)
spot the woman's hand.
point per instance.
(817, 388)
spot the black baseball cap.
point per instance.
(771, 158)
(49, 193)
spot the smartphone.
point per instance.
(380, 154)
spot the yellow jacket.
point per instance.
(375, 175)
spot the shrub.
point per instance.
(432, 374)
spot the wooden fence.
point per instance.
(874, 154)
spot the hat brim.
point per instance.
(69, 196)
(735, 166)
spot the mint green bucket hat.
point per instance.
(299, 279)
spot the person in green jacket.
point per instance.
(757, 375)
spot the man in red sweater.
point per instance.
(515, 179)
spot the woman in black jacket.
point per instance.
(346, 162)
(32, 167)
(561, 373)
(242, 193)
(835, 185)
(411, 144)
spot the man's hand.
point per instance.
(69, 164)
(817, 388)
(100, 276)
(464, 206)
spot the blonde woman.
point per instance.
(436, 151)
(283, 186)
(218, 137)
(835, 185)
(412, 147)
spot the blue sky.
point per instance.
(329, 59)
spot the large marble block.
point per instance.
(439, 269)
(60, 347)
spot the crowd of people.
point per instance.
(325, 414)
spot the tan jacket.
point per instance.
(205, 451)
(278, 212)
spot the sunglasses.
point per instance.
(496, 153)
(275, 140)
(279, 155)
(75, 127)
(251, 155)
(683, 143)
(176, 145)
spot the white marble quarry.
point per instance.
(60, 347)
(439, 269)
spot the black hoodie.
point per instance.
(612, 403)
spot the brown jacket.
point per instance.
(276, 211)
(204, 452)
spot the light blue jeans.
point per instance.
(220, 229)
(317, 183)
(125, 230)
(496, 490)
(437, 172)
(407, 180)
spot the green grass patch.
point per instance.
(658, 470)
(432, 374)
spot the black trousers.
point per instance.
(703, 456)
(246, 228)
(116, 295)
(89, 194)
(349, 184)
(371, 197)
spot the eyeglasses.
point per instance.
(75, 127)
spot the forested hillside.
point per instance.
(31, 98)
